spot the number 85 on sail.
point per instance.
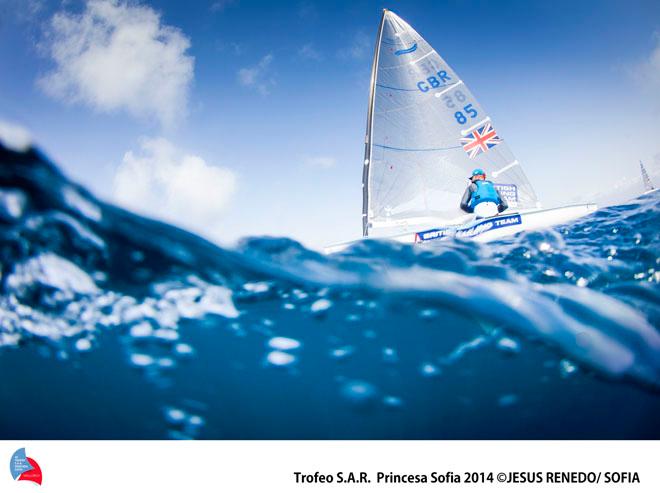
(468, 109)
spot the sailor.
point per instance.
(481, 196)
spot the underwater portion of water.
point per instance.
(116, 326)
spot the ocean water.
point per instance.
(116, 326)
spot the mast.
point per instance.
(369, 133)
(648, 186)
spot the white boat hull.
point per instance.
(488, 229)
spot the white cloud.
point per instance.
(116, 56)
(323, 162)
(221, 5)
(258, 77)
(162, 182)
(34, 6)
(647, 73)
(231, 46)
(307, 11)
(309, 52)
(23, 11)
(359, 47)
(14, 137)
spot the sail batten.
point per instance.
(425, 132)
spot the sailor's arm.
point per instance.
(466, 199)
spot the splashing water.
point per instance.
(116, 326)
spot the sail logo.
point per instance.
(24, 468)
(480, 140)
(405, 51)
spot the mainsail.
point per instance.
(648, 186)
(425, 133)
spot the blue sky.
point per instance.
(260, 107)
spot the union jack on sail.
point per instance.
(480, 140)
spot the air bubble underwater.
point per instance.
(429, 370)
(342, 352)
(508, 345)
(359, 393)
(320, 306)
(282, 352)
(567, 368)
(182, 424)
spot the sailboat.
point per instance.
(425, 133)
(648, 186)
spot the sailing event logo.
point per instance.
(406, 50)
(24, 468)
(480, 140)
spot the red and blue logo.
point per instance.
(24, 468)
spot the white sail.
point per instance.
(648, 186)
(425, 133)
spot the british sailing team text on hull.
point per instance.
(425, 133)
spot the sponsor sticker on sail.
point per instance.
(509, 191)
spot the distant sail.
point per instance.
(648, 186)
(425, 133)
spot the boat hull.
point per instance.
(489, 229)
